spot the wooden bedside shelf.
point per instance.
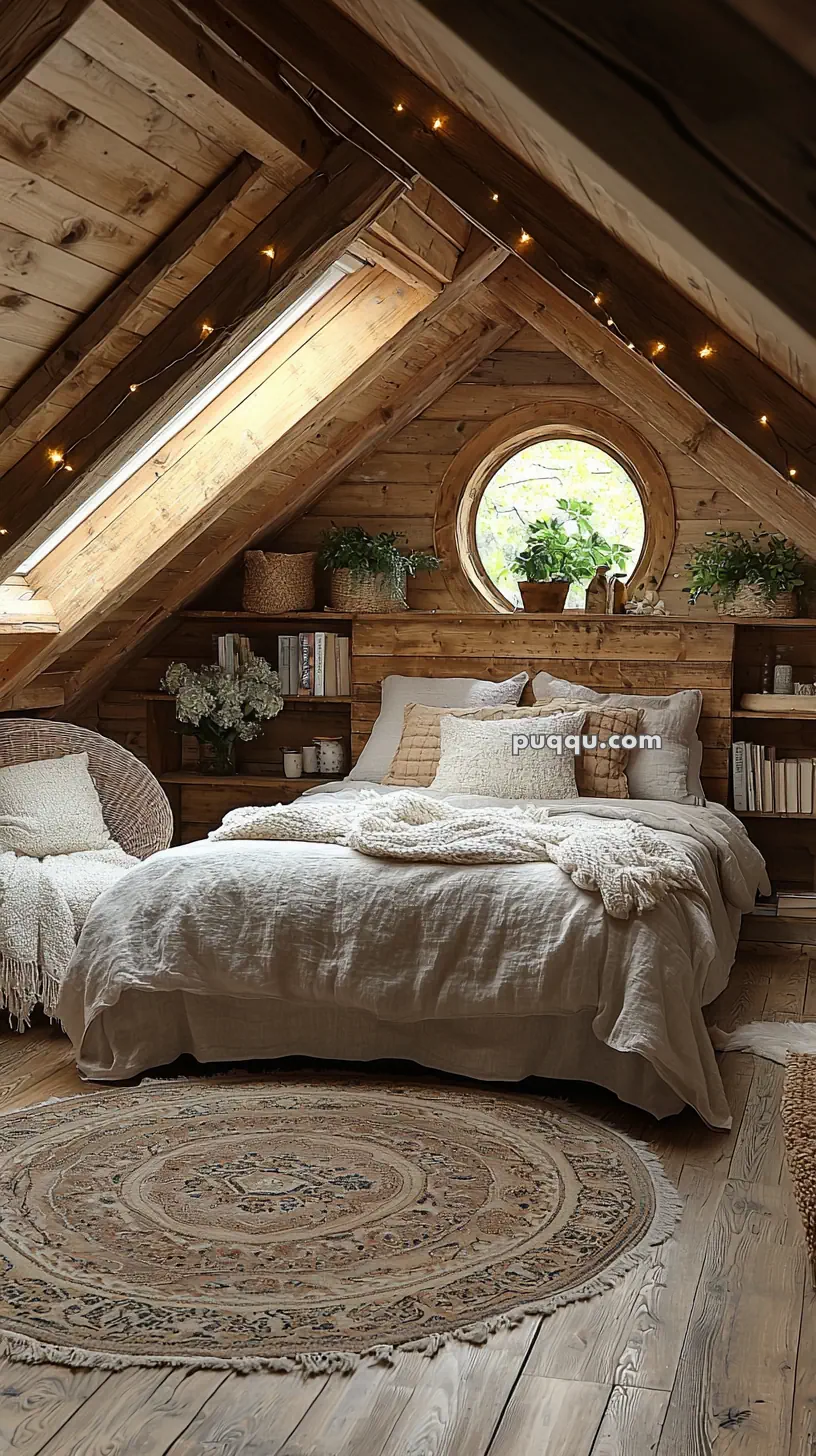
(318, 615)
(190, 779)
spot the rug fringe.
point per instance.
(669, 1205)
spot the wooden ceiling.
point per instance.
(150, 150)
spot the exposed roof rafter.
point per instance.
(27, 29)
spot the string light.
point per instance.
(268, 252)
(525, 237)
(3, 530)
(56, 457)
(659, 348)
(763, 419)
(437, 123)
(206, 330)
(67, 467)
(598, 299)
(133, 388)
(399, 106)
(705, 352)
(792, 472)
(610, 321)
(494, 197)
(630, 345)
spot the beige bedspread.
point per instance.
(319, 925)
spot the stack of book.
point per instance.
(232, 651)
(314, 665)
(767, 784)
(797, 904)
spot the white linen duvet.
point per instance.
(235, 949)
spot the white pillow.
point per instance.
(50, 807)
(435, 692)
(671, 772)
(478, 757)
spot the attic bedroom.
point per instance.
(407, 728)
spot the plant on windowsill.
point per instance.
(754, 576)
(221, 709)
(560, 551)
(369, 573)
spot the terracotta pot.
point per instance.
(544, 596)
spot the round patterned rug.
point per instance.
(306, 1222)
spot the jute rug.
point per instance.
(799, 1123)
(303, 1223)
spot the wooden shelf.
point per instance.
(243, 781)
(766, 814)
(304, 700)
(320, 614)
(795, 717)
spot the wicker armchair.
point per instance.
(134, 804)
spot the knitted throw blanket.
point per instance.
(43, 905)
(631, 868)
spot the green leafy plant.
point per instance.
(730, 560)
(354, 549)
(566, 548)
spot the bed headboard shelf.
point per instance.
(625, 654)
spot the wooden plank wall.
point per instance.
(398, 487)
(623, 655)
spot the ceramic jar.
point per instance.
(292, 763)
(331, 758)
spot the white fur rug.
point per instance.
(772, 1040)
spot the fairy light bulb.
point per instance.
(706, 351)
(610, 321)
(494, 197)
(56, 457)
(206, 330)
(133, 388)
(792, 472)
(763, 419)
(630, 345)
(598, 300)
(399, 106)
(268, 252)
(659, 348)
(69, 468)
(525, 237)
(437, 123)
(3, 530)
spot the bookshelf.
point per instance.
(199, 799)
(786, 836)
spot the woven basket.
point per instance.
(276, 581)
(351, 593)
(751, 601)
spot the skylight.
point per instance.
(194, 407)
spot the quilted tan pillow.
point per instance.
(599, 774)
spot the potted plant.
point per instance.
(560, 551)
(754, 576)
(221, 708)
(368, 573)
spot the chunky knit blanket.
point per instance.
(43, 906)
(631, 867)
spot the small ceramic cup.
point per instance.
(292, 763)
(310, 758)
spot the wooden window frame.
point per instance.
(476, 463)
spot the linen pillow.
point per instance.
(599, 773)
(442, 692)
(671, 772)
(477, 757)
(50, 806)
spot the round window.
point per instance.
(528, 487)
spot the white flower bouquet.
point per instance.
(221, 708)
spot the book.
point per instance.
(790, 901)
(305, 664)
(768, 767)
(780, 795)
(343, 667)
(791, 786)
(319, 683)
(756, 771)
(331, 665)
(739, 777)
(806, 766)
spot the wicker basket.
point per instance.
(351, 593)
(751, 601)
(276, 581)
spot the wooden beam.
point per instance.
(263, 98)
(115, 307)
(686, 102)
(574, 251)
(27, 29)
(355, 443)
(639, 384)
(309, 230)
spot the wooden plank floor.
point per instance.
(708, 1350)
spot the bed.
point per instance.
(232, 951)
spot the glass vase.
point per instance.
(217, 757)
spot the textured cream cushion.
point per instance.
(442, 692)
(50, 807)
(477, 757)
(671, 772)
(599, 773)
